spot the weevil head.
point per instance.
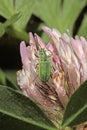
(43, 55)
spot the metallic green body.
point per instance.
(44, 66)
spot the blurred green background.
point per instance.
(17, 18)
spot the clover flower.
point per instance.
(68, 69)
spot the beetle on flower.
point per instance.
(62, 67)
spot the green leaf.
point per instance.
(8, 78)
(69, 15)
(11, 20)
(11, 79)
(59, 16)
(9, 123)
(6, 8)
(25, 7)
(76, 110)
(15, 104)
(8, 23)
(2, 30)
(83, 28)
(20, 34)
(10, 7)
(2, 77)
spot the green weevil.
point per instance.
(44, 66)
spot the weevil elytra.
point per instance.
(44, 66)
